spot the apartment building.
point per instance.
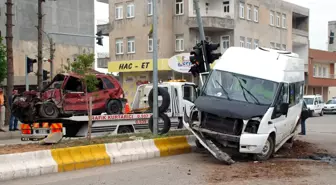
(321, 73)
(246, 23)
(70, 23)
(332, 48)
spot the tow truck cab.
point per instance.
(251, 101)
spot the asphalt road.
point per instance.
(202, 168)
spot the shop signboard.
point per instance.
(180, 63)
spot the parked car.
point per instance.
(314, 103)
(66, 96)
(330, 106)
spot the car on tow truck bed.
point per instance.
(180, 93)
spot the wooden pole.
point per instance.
(10, 67)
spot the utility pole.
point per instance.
(39, 45)
(52, 52)
(155, 71)
(9, 45)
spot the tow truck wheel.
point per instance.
(48, 110)
(113, 107)
(125, 129)
(166, 124)
(165, 99)
(267, 151)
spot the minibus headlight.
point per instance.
(252, 126)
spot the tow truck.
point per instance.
(173, 96)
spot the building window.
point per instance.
(314, 70)
(242, 42)
(179, 43)
(131, 45)
(272, 45)
(118, 12)
(119, 46)
(249, 43)
(179, 7)
(278, 20)
(324, 72)
(278, 46)
(249, 12)
(130, 10)
(319, 71)
(272, 18)
(226, 6)
(150, 7)
(256, 14)
(225, 43)
(150, 44)
(284, 21)
(284, 47)
(241, 10)
(256, 43)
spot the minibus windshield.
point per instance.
(239, 87)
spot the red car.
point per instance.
(66, 96)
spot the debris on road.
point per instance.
(299, 150)
(261, 170)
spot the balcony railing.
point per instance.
(330, 76)
(300, 32)
(212, 22)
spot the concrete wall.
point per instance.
(61, 16)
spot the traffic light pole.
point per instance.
(52, 51)
(155, 71)
(26, 74)
(202, 35)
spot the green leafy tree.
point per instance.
(3, 61)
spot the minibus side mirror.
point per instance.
(284, 108)
(315, 103)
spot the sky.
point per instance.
(320, 14)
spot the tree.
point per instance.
(3, 61)
(83, 66)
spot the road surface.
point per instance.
(202, 168)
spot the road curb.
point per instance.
(29, 164)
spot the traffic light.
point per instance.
(30, 64)
(211, 57)
(196, 59)
(99, 37)
(331, 37)
(45, 75)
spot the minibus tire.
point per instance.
(260, 157)
(166, 124)
(165, 99)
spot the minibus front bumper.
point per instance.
(252, 143)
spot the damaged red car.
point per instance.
(66, 96)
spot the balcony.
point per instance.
(103, 1)
(326, 81)
(212, 23)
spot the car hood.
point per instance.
(330, 105)
(229, 108)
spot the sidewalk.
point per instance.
(9, 134)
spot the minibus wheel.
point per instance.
(267, 151)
